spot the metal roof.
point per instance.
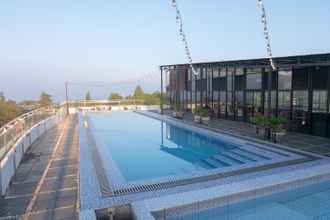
(298, 60)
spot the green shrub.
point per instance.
(259, 120)
(276, 123)
(200, 111)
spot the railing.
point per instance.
(87, 103)
(11, 132)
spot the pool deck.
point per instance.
(309, 143)
(46, 183)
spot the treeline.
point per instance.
(138, 94)
(9, 109)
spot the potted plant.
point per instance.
(205, 117)
(276, 127)
(197, 117)
(260, 123)
(177, 112)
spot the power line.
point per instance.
(266, 33)
(183, 36)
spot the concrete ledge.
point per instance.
(13, 158)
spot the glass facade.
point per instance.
(320, 101)
(301, 95)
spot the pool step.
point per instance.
(249, 154)
(228, 160)
(266, 152)
(205, 165)
(214, 163)
(238, 157)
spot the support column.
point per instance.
(310, 101)
(328, 102)
(161, 91)
(226, 106)
(269, 94)
(219, 89)
(211, 85)
(201, 86)
(291, 100)
(244, 97)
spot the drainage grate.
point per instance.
(194, 180)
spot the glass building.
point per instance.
(299, 90)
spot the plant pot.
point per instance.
(206, 120)
(174, 114)
(260, 131)
(177, 114)
(276, 135)
(197, 118)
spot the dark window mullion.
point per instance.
(328, 101)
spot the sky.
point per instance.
(46, 43)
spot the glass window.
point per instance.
(253, 79)
(230, 79)
(239, 98)
(319, 78)
(320, 101)
(204, 72)
(239, 79)
(198, 96)
(223, 72)
(209, 72)
(239, 72)
(284, 79)
(300, 79)
(284, 100)
(249, 98)
(272, 102)
(215, 96)
(189, 73)
(300, 100)
(198, 70)
(223, 97)
(272, 99)
(216, 72)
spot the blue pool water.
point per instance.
(306, 203)
(145, 148)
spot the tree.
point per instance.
(45, 100)
(88, 96)
(138, 93)
(115, 96)
(152, 99)
(2, 96)
(8, 111)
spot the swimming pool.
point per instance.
(305, 203)
(142, 148)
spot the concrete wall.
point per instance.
(12, 160)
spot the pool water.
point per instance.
(145, 148)
(305, 203)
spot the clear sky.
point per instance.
(45, 43)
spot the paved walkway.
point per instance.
(314, 144)
(46, 182)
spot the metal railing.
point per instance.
(12, 131)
